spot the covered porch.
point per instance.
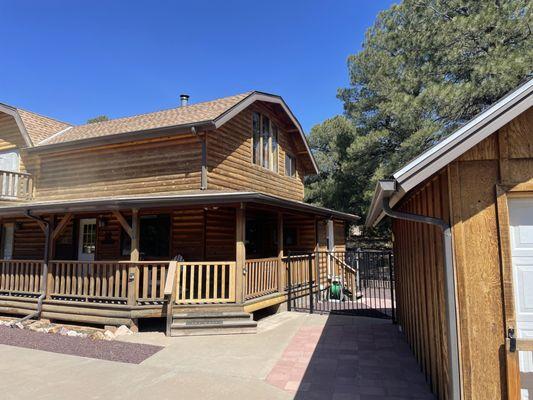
(115, 261)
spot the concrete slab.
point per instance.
(336, 365)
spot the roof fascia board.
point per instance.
(443, 153)
(470, 134)
(161, 201)
(124, 137)
(269, 98)
(14, 113)
(461, 144)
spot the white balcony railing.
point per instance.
(15, 185)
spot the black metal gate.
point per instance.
(355, 282)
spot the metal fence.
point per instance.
(355, 282)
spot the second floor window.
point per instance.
(290, 165)
(265, 142)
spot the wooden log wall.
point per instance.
(419, 269)
(153, 166)
(229, 155)
(304, 226)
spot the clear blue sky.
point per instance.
(74, 60)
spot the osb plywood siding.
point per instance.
(230, 166)
(419, 272)
(148, 167)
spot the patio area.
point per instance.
(293, 356)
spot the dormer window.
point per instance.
(265, 142)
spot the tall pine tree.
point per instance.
(427, 66)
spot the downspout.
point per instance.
(451, 313)
(203, 143)
(45, 225)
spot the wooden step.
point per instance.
(212, 323)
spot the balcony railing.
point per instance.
(15, 185)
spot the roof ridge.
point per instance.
(165, 109)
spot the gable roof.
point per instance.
(185, 115)
(453, 146)
(205, 115)
(33, 127)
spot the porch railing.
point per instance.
(20, 277)
(205, 282)
(15, 185)
(152, 280)
(107, 281)
(262, 277)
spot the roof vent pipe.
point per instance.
(184, 98)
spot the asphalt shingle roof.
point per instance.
(190, 114)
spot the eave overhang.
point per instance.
(452, 147)
(161, 201)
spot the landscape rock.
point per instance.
(123, 330)
(108, 335)
(97, 335)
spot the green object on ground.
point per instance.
(335, 290)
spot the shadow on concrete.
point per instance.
(361, 358)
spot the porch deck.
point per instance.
(121, 292)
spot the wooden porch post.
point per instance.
(240, 253)
(51, 255)
(281, 269)
(133, 271)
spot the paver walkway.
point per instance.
(349, 358)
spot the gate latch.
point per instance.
(512, 340)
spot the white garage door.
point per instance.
(521, 221)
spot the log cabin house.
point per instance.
(185, 214)
(462, 222)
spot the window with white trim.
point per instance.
(264, 142)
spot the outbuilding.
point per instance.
(462, 222)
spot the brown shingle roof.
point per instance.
(190, 114)
(39, 127)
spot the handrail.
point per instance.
(15, 172)
(171, 277)
(343, 263)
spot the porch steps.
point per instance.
(219, 321)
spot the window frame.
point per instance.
(270, 161)
(289, 156)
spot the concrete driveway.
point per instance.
(283, 360)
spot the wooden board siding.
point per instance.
(229, 155)
(338, 236)
(466, 191)
(10, 136)
(147, 167)
(420, 282)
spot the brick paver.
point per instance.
(354, 358)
